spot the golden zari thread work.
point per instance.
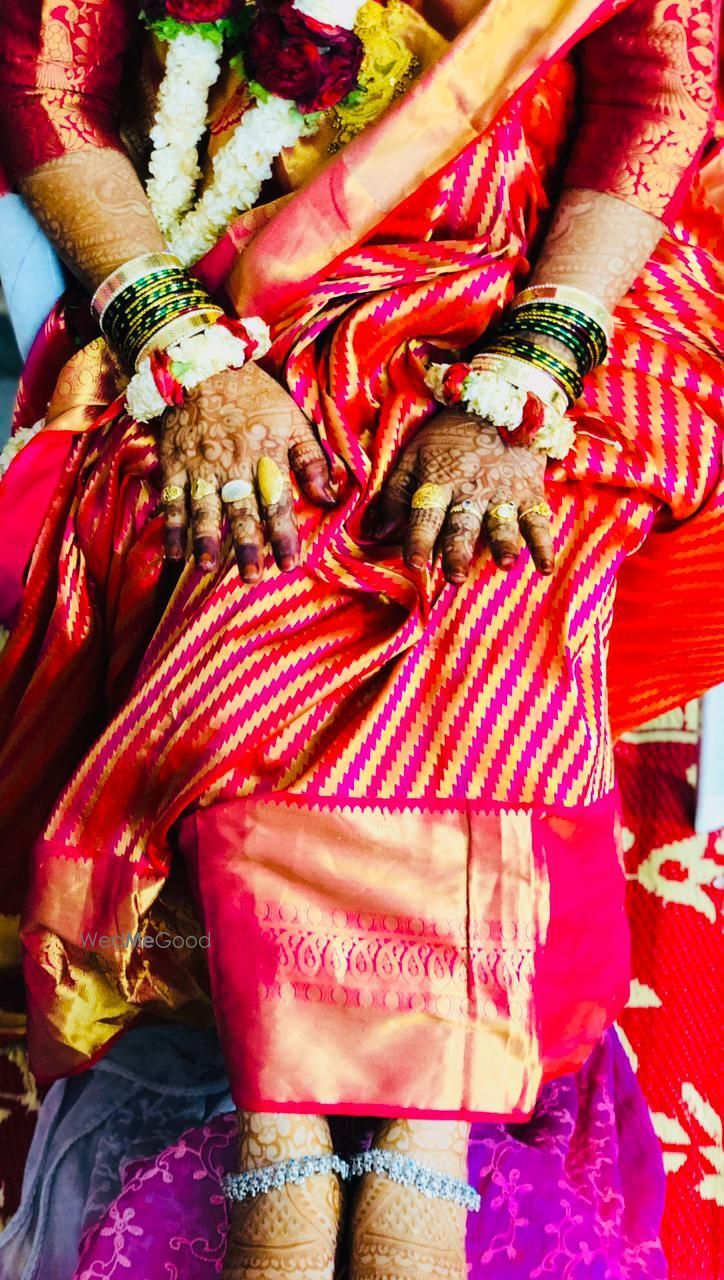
(386, 70)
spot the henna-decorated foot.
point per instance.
(399, 1234)
(289, 1232)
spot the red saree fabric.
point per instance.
(354, 679)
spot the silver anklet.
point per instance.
(411, 1173)
(241, 1186)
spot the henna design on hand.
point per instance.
(468, 459)
(226, 425)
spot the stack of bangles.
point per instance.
(516, 383)
(165, 328)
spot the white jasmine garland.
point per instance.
(333, 13)
(500, 402)
(143, 399)
(557, 436)
(245, 162)
(192, 67)
(17, 443)
(193, 360)
(240, 168)
(494, 398)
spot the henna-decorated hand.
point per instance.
(223, 430)
(478, 472)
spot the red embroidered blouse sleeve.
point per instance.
(648, 83)
(61, 63)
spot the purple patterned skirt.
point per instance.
(574, 1194)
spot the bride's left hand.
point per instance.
(475, 473)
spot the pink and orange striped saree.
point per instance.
(391, 801)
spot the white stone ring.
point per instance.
(236, 491)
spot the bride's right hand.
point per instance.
(226, 426)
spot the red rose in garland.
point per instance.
(293, 57)
(192, 10)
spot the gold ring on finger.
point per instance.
(430, 497)
(537, 509)
(271, 482)
(171, 493)
(201, 488)
(502, 513)
(236, 491)
(466, 507)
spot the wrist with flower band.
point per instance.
(165, 375)
(165, 327)
(518, 383)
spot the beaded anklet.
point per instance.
(411, 1173)
(242, 1186)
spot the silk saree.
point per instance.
(388, 803)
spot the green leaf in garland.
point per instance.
(179, 368)
(260, 93)
(171, 29)
(354, 98)
(226, 30)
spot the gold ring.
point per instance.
(430, 497)
(466, 507)
(201, 488)
(236, 491)
(171, 493)
(537, 509)
(271, 482)
(504, 512)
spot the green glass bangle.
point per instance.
(125, 326)
(129, 309)
(527, 346)
(128, 332)
(129, 346)
(593, 333)
(570, 316)
(162, 279)
(581, 350)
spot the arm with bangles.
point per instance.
(647, 82)
(59, 99)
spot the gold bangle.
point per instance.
(134, 269)
(183, 327)
(524, 376)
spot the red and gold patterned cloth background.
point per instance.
(671, 1028)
